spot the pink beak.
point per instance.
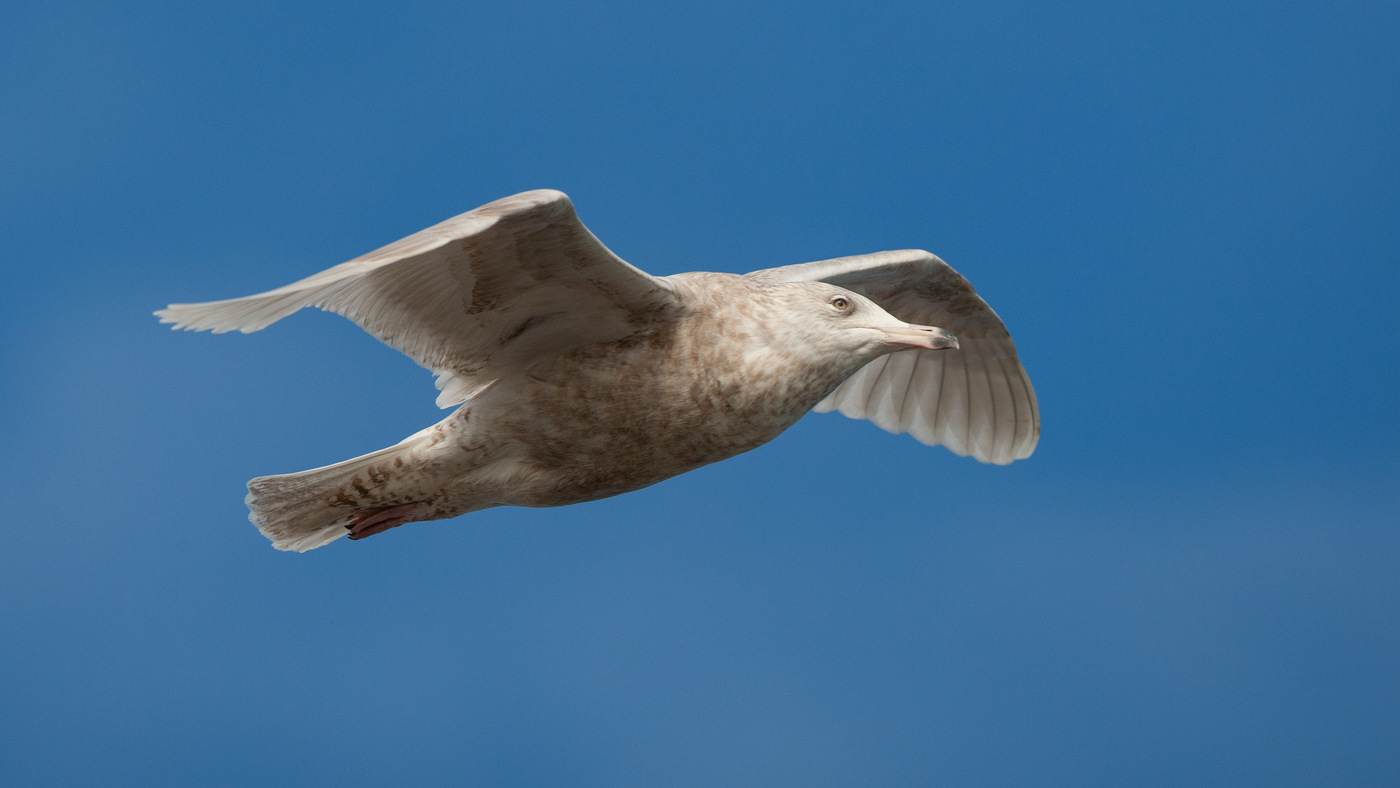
(926, 337)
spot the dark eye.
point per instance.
(841, 303)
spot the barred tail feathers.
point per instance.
(299, 512)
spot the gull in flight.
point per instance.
(580, 377)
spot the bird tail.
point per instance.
(305, 510)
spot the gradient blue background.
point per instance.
(1186, 214)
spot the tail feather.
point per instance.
(298, 511)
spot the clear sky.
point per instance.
(1186, 213)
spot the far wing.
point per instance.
(479, 295)
(976, 400)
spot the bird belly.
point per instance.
(617, 416)
(581, 435)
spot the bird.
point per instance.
(577, 376)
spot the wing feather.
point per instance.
(851, 396)
(890, 391)
(472, 298)
(953, 412)
(977, 400)
(929, 384)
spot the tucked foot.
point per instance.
(380, 520)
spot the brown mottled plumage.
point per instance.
(584, 377)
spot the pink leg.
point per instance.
(380, 520)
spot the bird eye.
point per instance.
(841, 304)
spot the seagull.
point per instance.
(581, 377)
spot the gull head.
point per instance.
(843, 323)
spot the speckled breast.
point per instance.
(615, 417)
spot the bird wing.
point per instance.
(479, 295)
(976, 400)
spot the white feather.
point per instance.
(472, 298)
(975, 400)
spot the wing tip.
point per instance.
(184, 317)
(247, 314)
(200, 317)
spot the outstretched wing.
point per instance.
(976, 400)
(472, 298)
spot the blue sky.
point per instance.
(1185, 213)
